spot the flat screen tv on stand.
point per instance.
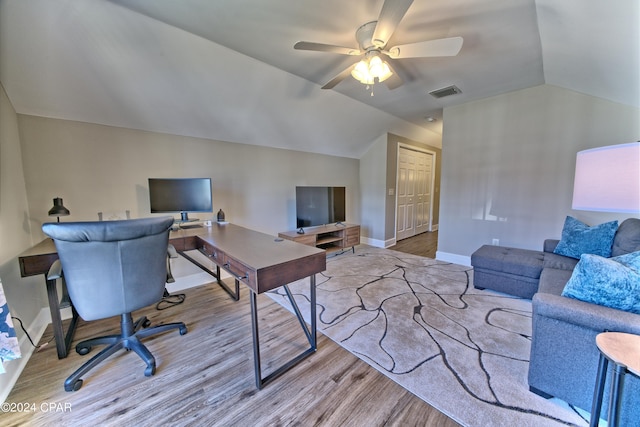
(319, 206)
(184, 195)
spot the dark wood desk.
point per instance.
(260, 261)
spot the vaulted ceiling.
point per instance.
(227, 70)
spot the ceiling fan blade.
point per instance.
(395, 80)
(340, 77)
(390, 16)
(430, 48)
(320, 47)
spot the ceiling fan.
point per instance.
(372, 39)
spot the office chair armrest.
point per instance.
(171, 251)
(55, 271)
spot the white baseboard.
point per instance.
(453, 258)
(373, 242)
(15, 367)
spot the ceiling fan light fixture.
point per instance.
(368, 70)
(385, 73)
(361, 73)
(375, 66)
(372, 38)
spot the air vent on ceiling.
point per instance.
(446, 91)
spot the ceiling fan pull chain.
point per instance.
(369, 87)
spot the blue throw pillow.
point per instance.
(612, 282)
(578, 238)
(631, 260)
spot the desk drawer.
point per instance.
(184, 243)
(32, 266)
(234, 267)
(213, 253)
(240, 271)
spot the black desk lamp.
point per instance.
(58, 209)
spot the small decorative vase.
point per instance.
(220, 216)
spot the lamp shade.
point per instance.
(607, 179)
(58, 208)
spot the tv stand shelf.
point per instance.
(331, 237)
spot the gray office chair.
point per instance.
(119, 216)
(113, 268)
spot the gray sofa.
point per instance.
(515, 271)
(564, 357)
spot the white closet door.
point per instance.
(414, 192)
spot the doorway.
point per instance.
(414, 191)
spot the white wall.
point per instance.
(102, 168)
(373, 174)
(508, 165)
(27, 296)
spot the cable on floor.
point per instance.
(37, 347)
(169, 300)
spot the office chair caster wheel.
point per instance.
(146, 323)
(73, 387)
(150, 370)
(183, 330)
(82, 351)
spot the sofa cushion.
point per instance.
(612, 282)
(550, 245)
(519, 262)
(553, 280)
(578, 238)
(560, 262)
(627, 238)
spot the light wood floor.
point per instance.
(424, 244)
(206, 377)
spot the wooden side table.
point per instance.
(623, 350)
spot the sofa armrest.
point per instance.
(591, 316)
(564, 356)
(550, 245)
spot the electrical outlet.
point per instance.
(496, 242)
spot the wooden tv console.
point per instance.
(330, 237)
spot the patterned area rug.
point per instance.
(420, 322)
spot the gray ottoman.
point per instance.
(509, 270)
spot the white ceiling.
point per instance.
(213, 69)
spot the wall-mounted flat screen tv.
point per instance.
(180, 195)
(319, 206)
